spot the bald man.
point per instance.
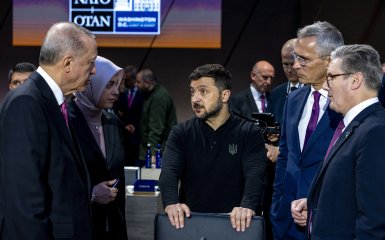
(254, 99)
(278, 94)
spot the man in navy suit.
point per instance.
(254, 99)
(278, 95)
(44, 185)
(347, 198)
(307, 128)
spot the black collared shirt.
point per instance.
(218, 169)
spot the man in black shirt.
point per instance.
(218, 158)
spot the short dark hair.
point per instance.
(221, 76)
(22, 67)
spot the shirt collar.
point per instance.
(354, 111)
(53, 85)
(256, 94)
(322, 91)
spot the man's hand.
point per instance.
(130, 128)
(272, 152)
(176, 213)
(103, 193)
(241, 218)
(299, 211)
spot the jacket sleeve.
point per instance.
(172, 166)
(254, 159)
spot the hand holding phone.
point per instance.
(116, 183)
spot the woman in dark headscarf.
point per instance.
(98, 135)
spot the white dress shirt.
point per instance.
(305, 118)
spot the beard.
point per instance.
(210, 113)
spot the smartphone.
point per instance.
(116, 183)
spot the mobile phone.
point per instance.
(116, 183)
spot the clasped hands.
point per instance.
(240, 217)
(299, 211)
(104, 192)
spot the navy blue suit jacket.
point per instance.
(347, 197)
(295, 170)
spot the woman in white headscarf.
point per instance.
(98, 134)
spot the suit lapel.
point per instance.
(54, 109)
(251, 102)
(298, 104)
(108, 131)
(346, 134)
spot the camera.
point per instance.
(267, 124)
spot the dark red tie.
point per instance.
(313, 118)
(337, 134)
(63, 108)
(263, 103)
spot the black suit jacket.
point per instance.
(44, 189)
(347, 197)
(277, 101)
(243, 103)
(103, 169)
(131, 114)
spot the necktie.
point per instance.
(337, 134)
(263, 103)
(130, 98)
(313, 118)
(63, 109)
(293, 88)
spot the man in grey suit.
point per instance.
(346, 199)
(44, 186)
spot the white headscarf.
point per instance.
(105, 70)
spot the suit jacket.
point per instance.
(295, 170)
(277, 102)
(44, 188)
(131, 114)
(243, 103)
(347, 197)
(103, 169)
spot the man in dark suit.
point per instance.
(254, 99)
(346, 199)
(278, 95)
(307, 128)
(44, 186)
(130, 107)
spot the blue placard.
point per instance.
(144, 185)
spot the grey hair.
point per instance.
(61, 39)
(361, 58)
(328, 37)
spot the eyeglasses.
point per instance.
(304, 61)
(330, 77)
